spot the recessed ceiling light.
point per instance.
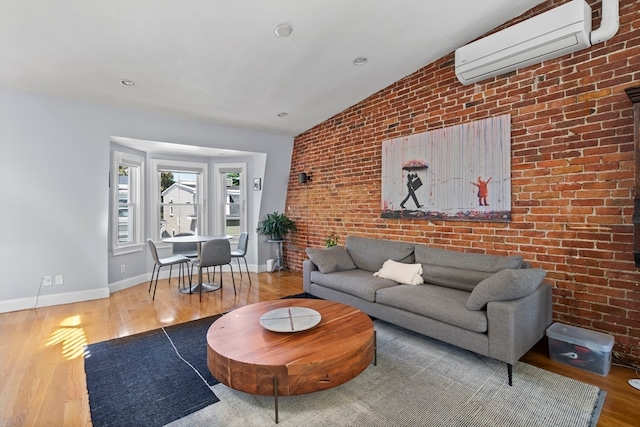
(360, 60)
(283, 114)
(126, 82)
(283, 30)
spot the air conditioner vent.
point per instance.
(557, 32)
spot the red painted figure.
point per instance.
(483, 190)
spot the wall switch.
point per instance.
(46, 281)
(59, 279)
(122, 269)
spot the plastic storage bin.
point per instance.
(582, 348)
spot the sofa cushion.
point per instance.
(359, 283)
(331, 259)
(461, 270)
(435, 302)
(408, 274)
(369, 254)
(456, 278)
(505, 285)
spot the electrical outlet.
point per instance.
(46, 281)
(59, 279)
(122, 268)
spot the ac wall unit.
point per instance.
(557, 32)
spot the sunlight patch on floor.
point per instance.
(71, 335)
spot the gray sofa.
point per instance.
(492, 305)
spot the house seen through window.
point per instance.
(179, 213)
(178, 203)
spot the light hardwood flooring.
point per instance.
(42, 381)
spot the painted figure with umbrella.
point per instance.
(413, 180)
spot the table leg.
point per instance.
(206, 287)
(275, 395)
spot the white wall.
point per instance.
(54, 164)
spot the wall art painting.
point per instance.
(457, 173)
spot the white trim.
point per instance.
(219, 193)
(130, 282)
(122, 250)
(162, 165)
(105, 292)
(137, 193)
(53, 299)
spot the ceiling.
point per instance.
(220, 61)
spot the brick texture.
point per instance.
(572, 173)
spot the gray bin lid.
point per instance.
(583, 337)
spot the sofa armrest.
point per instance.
(517, 325)
(307, 267)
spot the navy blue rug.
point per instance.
(152, 378)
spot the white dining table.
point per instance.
(199, 239)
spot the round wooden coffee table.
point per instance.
(245, 356)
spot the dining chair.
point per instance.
(188, 249)
(241, 252)
(180, 260)
(214, 253)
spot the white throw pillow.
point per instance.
(409, 274)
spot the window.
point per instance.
(127, 223)
(231, 217)
(178, 190)
(232, 204)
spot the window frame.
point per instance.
(135, 204)
(166, 165)
(220, 193)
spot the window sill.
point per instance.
(128, 249)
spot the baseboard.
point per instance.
(164, 274)
(253, 268)
(131, 281)
(53, 299)
(225, 268)
(91, 294)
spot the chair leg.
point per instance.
(208, 278)
(232, 278)
(184, 267)
(156, 286)
(185, 271)
(239, 269)
(199, 278)
(170, 268)
(152, 274)
(247, 267)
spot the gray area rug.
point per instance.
(419, 382)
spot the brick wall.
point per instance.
(572, 173)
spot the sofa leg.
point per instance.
(375, 348)
(510, 373)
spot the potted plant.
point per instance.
(331, 241)
(276, 225)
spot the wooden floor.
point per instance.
(42, 381)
